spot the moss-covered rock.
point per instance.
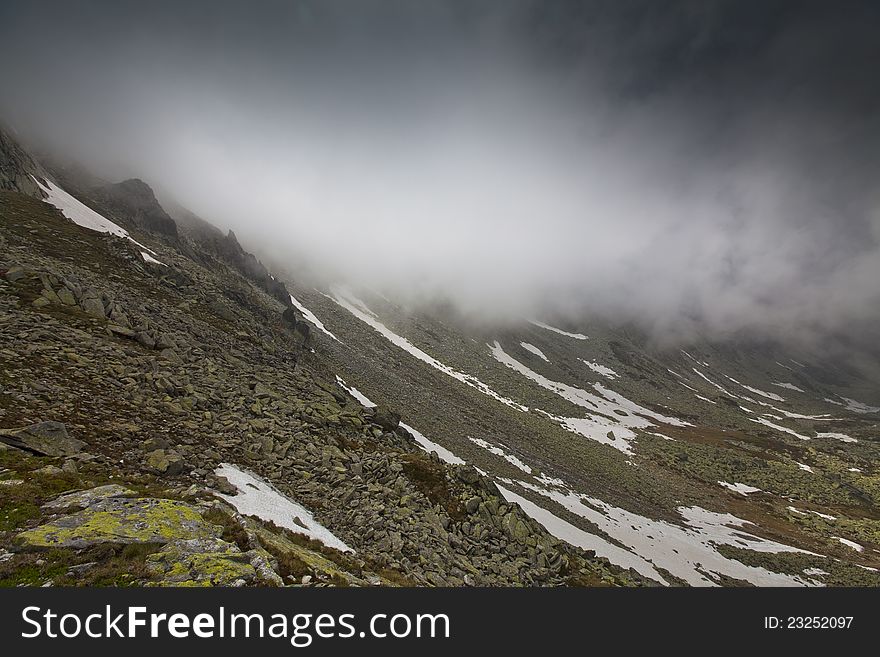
(86, 498)
(120, 520)
(202, 562)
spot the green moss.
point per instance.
(178, 568)
(119, 520)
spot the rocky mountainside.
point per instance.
(163, 421)
(170, 413)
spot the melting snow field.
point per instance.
(534, 350)
(565, 531)
(359, 310)
(742, 489)
(311, 319)
(615, 416)
(688, 552)
(607, 372)
(259, 498)
(576, 336)
(83, 215)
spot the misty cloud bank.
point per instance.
(689, 166)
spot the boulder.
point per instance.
(44, 439)
(168, 463)
(86, 498)
(120, 520)
(386, 418)
(93, 307)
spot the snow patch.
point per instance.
(850, 544)
(565, 531)
(778, 427)
(742, 489)
(859, 407)
(257, 497)
(430, 446)
(607, 372)
(148, 258)
(687, 551)
(576, 336)
(534, 350)
(757, 391)
(612, 416)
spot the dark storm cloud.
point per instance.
(688, 165)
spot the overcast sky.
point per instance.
(682, 164)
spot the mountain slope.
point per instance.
(165, 375)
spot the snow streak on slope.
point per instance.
(763, 393)
(787, 386)
(610, 412)
(259, 498)
(359, 310)
(837, 436)
(859, 407)
(534, 350)
(310, 317)
(768, 423)
(81, 214)
(607, 372)
(497, 451)
(425, 443)
(576, 336)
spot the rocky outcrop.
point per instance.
(120, 520)
(17, 168)
(134, 202)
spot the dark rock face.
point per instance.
(134, 200)
(227, 249)
(17, 167)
